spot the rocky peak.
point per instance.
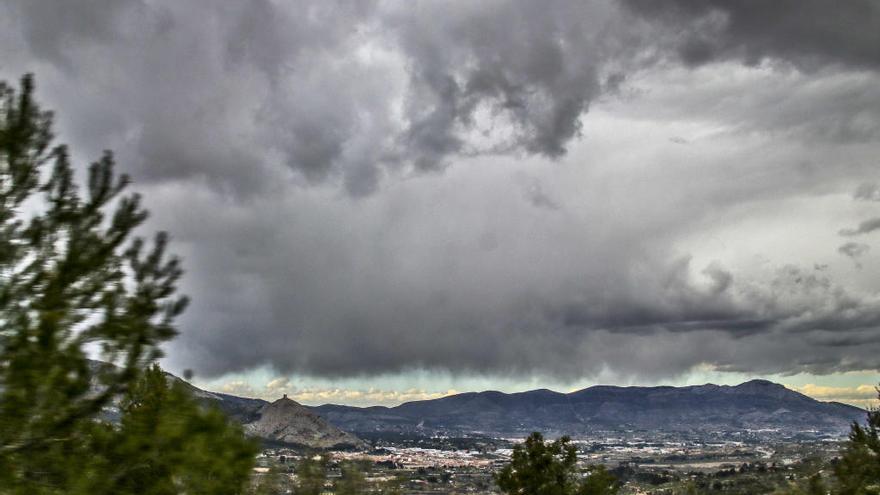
(285, 420)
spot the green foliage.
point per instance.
(813, 486)
(598, 482)
(539, 468)
(550, 468)
(73, 276)
(311, 474)
(352, 481)
(689, 489)
(169, 444)
(858, 470)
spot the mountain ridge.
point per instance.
(751, 405)
(756, 405)
(592, 387)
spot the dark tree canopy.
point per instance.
(550, 468)
(858, 469)
(167, 444)
(73, 276)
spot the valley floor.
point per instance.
(443, 465)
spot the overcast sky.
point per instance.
(383, 201)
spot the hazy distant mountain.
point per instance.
(754, 405)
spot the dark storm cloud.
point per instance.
(288, 147)
(532, 65)
(375, 314)
(246, 95)
(864, 227)
(335, 91)
(809, 33)
(50, 26)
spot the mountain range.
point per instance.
(758, 406)
(754, 405)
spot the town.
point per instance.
(643, 465)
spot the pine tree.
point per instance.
(550, 468)
(168, 444)
(598, 482)
(858, 470)
(72, 277)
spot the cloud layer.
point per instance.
(317, 396)
(863, 395)
(808, 33)
(563, 189)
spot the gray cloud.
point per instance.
(807, 33)
(49, 27)
(534, 192)
(533, 66)
(864, 227)
(868, 191)
(323, 91)
(350, 297)
(854, 251)
(294, 150)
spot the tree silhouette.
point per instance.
(858, 470)
(550, 468)
(74, 277)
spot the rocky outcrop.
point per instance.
(286, 421)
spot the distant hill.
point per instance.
(282, 422)
(753, 405)
(286, 421)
